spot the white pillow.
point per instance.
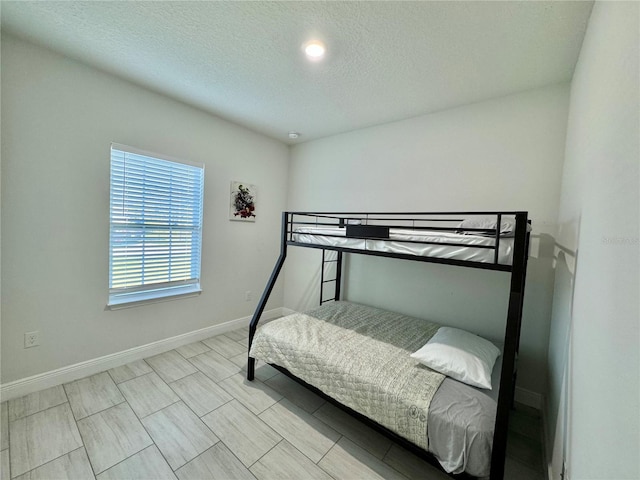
(460, 355)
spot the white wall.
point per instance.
(59, 118)
(595, 363)
(503, 154)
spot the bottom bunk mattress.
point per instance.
(359, 356)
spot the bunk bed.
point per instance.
(399, 396)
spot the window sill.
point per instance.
(117, 302)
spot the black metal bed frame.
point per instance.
(374, 226)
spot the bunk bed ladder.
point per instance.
(327, 260)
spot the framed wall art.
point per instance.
(243, 202)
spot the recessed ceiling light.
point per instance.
(314, 50)
(293, 135)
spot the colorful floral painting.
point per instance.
(243, 202)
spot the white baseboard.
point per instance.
(24, 386)
(529, 398)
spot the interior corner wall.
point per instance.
(58, 120)
(594, 356)
(502, 154)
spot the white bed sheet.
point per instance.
(336, 237)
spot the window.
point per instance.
(155, 226)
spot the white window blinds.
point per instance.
(155, 226)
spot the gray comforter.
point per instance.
(360, 356)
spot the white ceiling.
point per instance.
(385, 61)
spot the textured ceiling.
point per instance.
(385, 61)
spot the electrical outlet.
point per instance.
(31, 339)
(248, 296)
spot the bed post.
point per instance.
(338, 276)
(251, 362)
(511, 340)
(336, 297)
(524, 275)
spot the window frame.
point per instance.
(130, 296)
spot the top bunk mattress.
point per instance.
(359, 356)
(467, 248)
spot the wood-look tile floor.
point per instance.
(190, 414)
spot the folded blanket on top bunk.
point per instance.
(360, 356)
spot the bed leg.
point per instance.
(251, 368)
